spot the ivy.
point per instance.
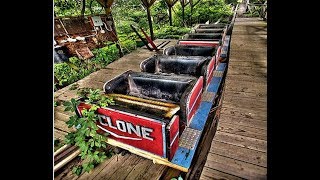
(91, 144)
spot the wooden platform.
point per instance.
(239, 148)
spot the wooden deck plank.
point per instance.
(139, 169)
(61, 116)
(246, 131)
(247, 94)
(97, 169)
(62, 126)
(58, 134)
(243, 113)
(61, 108)
(248, 106)
(261, 78)
(239, 148)
(242, 99)
(209, 174)
(123, 171)
(254, 123)
(235, 167)
(241, 141)
(154, 172)
(112, 166)
(228, 150)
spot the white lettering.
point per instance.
(110, 123)
(146, 133)
(135, 130)
(121, 126)
(126, 127)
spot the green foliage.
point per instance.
(105, 55)
(57, 144)
(128, 45)
(65, 74)
(74, 86)
(202, 12)
(56, 103)
(171, 32)
(76, 69)
(73, 7)
(91, 144)
(126, 13)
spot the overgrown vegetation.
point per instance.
(92, 145)
(58, 144)
(206, 10)
(126, 13)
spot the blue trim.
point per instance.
(221, 67)
(200, 117)
(183, 156)
(214, 85)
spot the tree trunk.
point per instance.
(170, 15)
(182, 15)
(150, 23)
(83, 7)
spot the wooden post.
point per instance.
(150, 23)
(170, 4)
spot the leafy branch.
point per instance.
(91, 144)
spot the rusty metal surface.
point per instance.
(208, 96)
(218, 73)
(73, 27)
(189, 138)
(84, 53)
(169, 108)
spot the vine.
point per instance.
(92, 145)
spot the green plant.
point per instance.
(74, 86)
(202, 12)
(179, 178)
(65, 74)
(171, 32)
(56, 103)
(57, 144)
(91, 144)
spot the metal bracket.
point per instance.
(189, 138)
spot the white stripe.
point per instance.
(175, 137)
(190, 109)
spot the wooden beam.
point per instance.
(170, 4)
(147, 4)
(106, 4)
(183, 4)
(83, 7)
(194, 4)
(150, 23)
